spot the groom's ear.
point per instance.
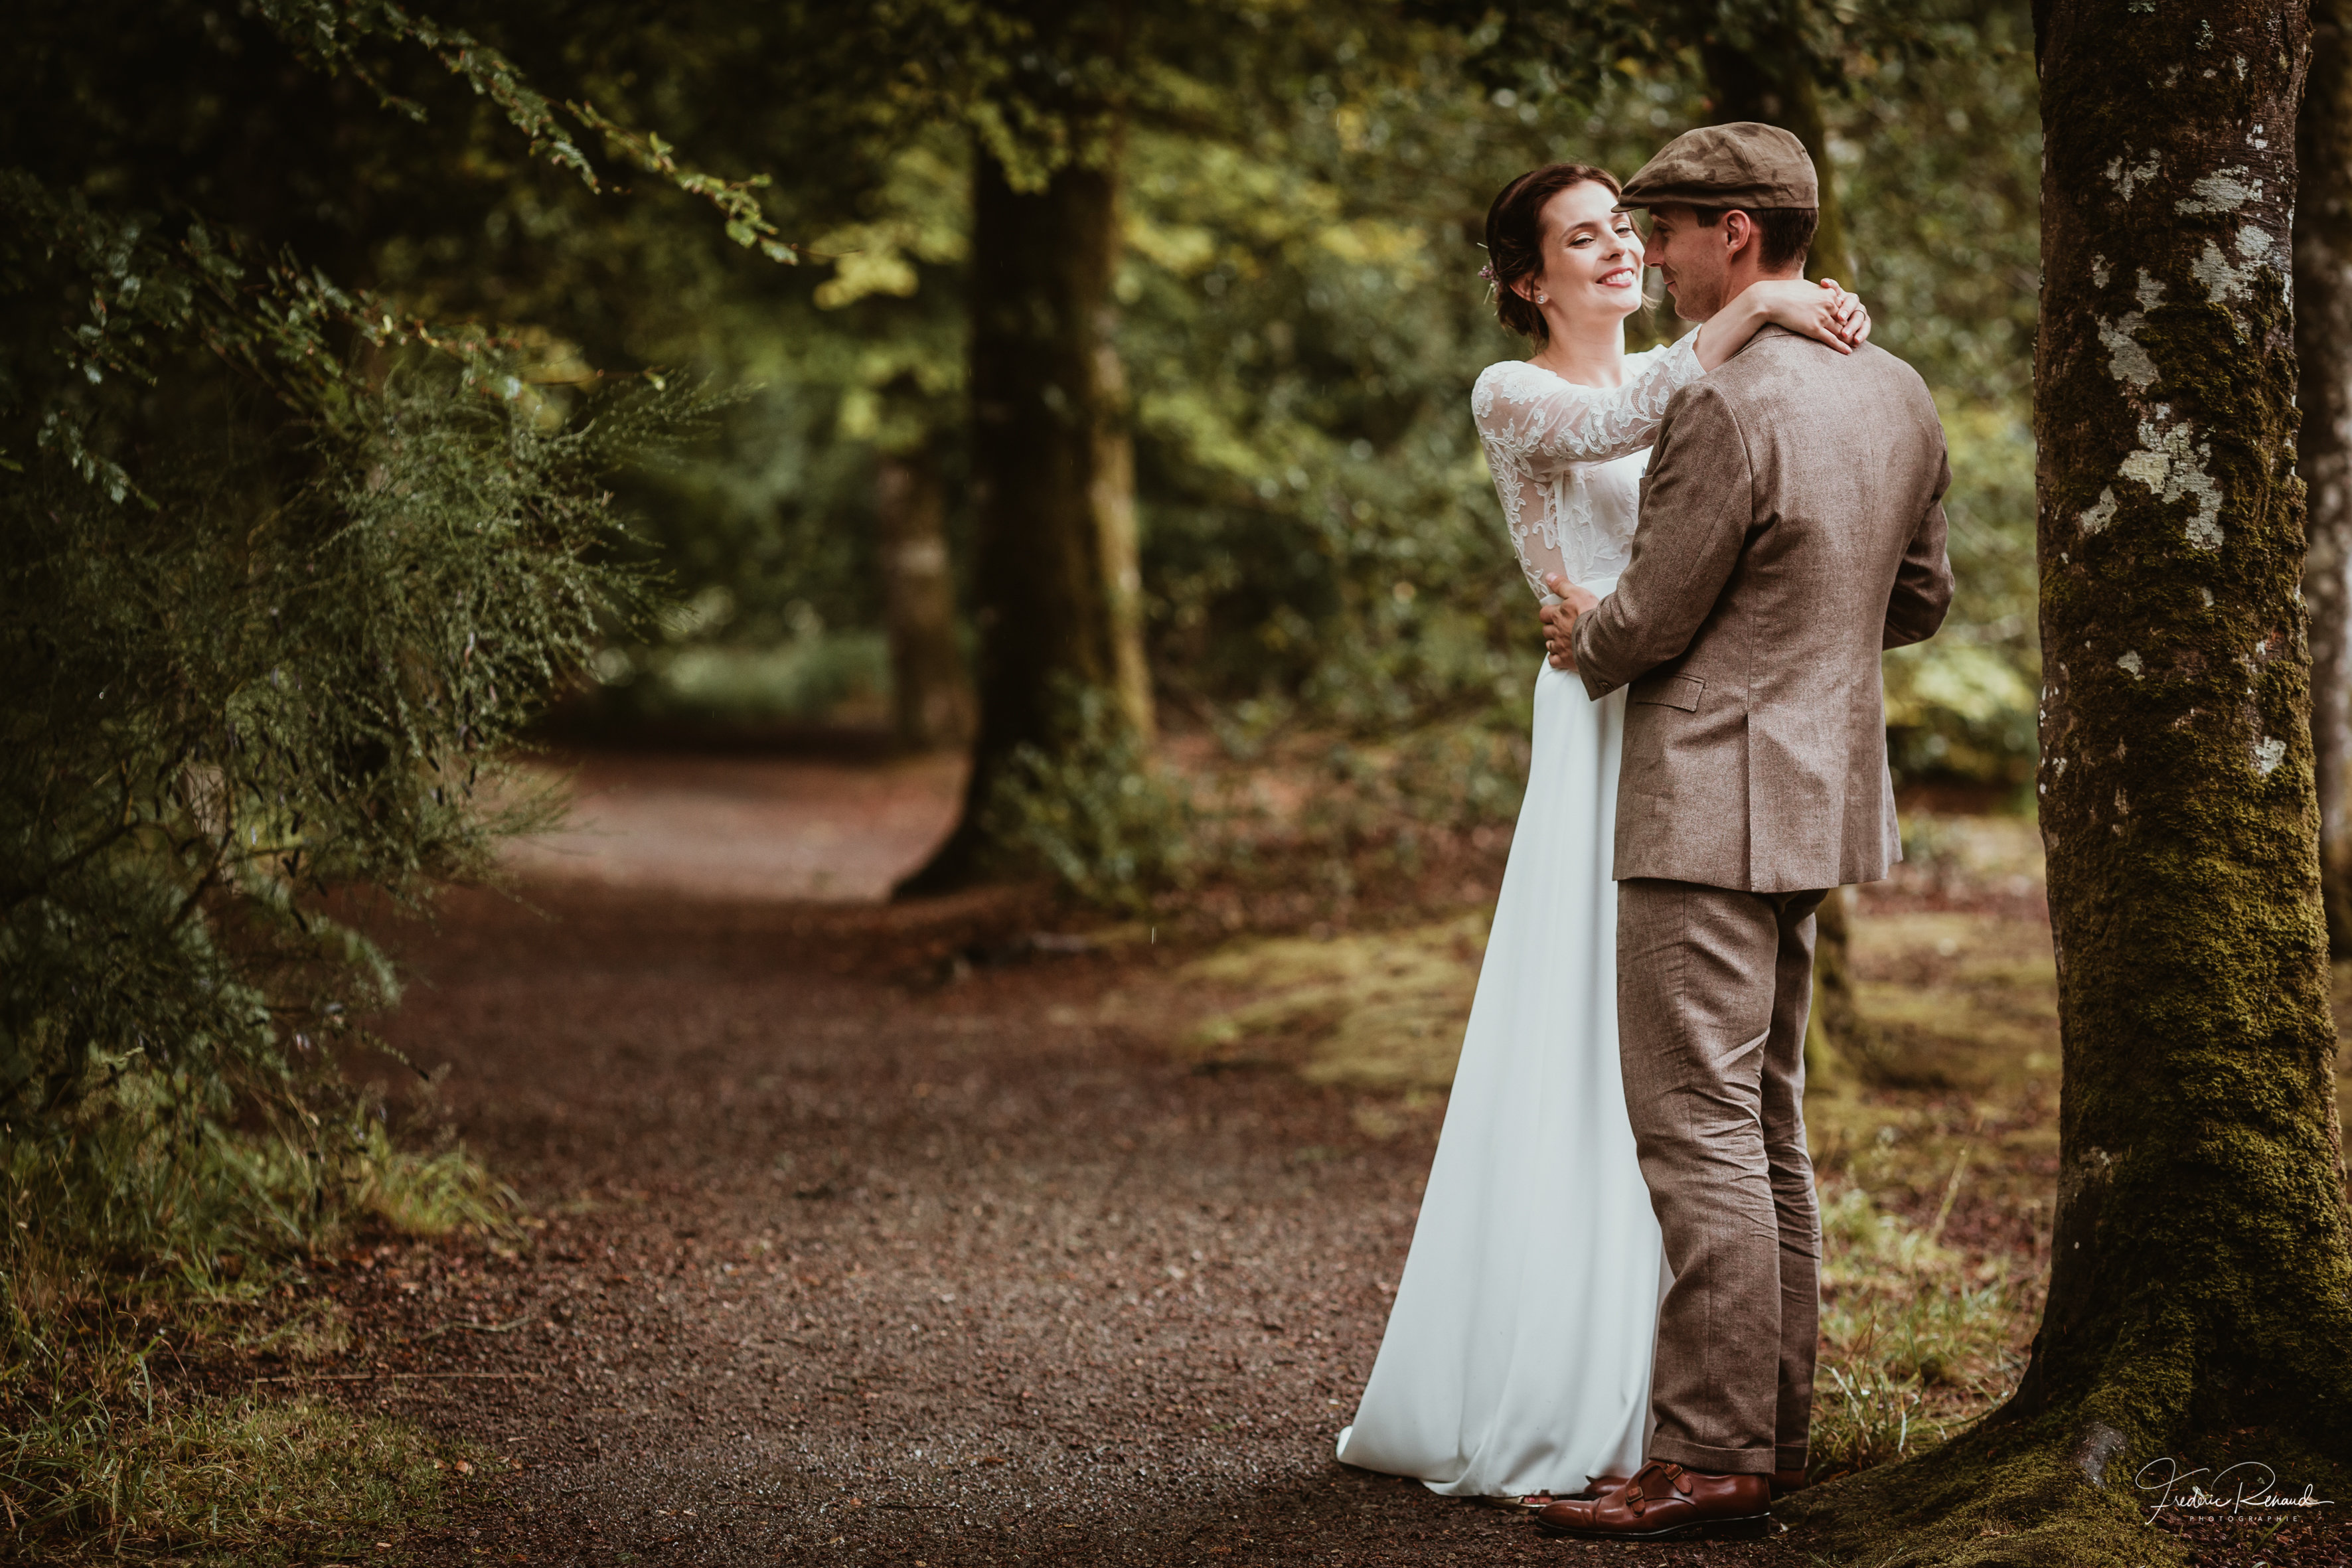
(1738, 231)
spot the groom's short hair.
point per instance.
(1783, 235)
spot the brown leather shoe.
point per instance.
(1783, 1483)
(1594, 1486)
(1665, 1501)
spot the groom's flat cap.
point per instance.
(1742, 165)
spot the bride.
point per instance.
(1517, 1360)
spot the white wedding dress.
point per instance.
(1517, 1353)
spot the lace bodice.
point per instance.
(1568, 459)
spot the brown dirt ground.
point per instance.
(876, 1234)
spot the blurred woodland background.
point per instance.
(1295, 312)
(389, 401)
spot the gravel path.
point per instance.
(846, 1259)
(759, 829)
(889, 1236)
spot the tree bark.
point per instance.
(1832, 1034)
(2200, 1291)
(1122, 538)
(2323, 343)
(1776, 87)
(1042, 406)
(930, 696)
(2200, 1274)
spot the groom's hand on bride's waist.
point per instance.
(1559, 619)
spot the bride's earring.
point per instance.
(1543, 299)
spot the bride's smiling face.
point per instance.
(1591, 258)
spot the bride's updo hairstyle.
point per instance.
(1514, 238)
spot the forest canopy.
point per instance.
(341, 343)
(1300, 318)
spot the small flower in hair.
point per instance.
(1487, 272)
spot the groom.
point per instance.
(1790, 528)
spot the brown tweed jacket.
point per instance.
(1792, 527)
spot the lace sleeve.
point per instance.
(1543, 424)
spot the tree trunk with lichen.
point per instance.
(1047, 419)
(2199, 1216)
(2200, 1287)
(2323, 344)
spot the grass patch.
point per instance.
(1917, 1340)
(143, 1253)
(1956, 1001)
(1380, 1010)
(205, 1479)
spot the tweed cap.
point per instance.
(1742, 165)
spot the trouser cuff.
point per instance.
(1713, 1461)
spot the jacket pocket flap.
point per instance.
(1669, 691)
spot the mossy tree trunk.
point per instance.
(1048, 433)
(931, 703)
(1774, 83)
(2200, 1286)
(2200, 1271)
(2323, 344)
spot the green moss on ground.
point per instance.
(1988, 1498)
(2022, 1495)
(1380, 1010)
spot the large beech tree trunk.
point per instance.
(1048, 430)
(2199, 1263)
(2200, 1289)
(2323, 344)
(931, 704)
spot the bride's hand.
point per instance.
(1822, 311)
(1853, 312)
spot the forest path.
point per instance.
(845, 1250)
(757, 829)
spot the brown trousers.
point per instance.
(1713, 986)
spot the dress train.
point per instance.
(1518, 1352)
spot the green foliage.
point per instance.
(813, 677)
(1096, 811)
(215, 1481)
(336, 37)
(1300, 321)
(286, 665)
(285, 571)
(1964, 701)
(1575, 47)
(137, 1239)
(130, 1194)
